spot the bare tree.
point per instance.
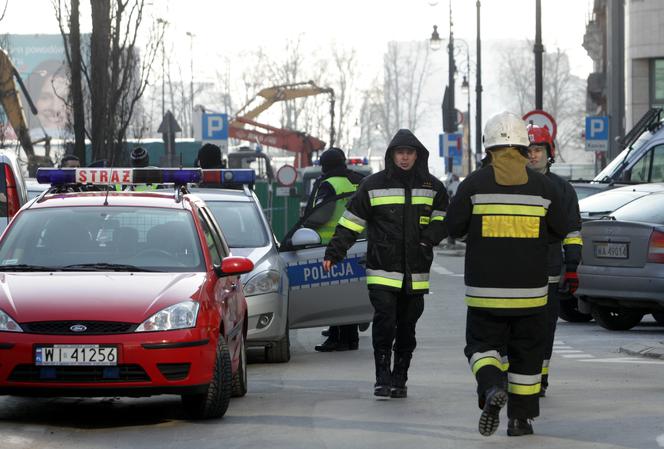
(343, 78)
(117, 75)
(405, 68)
(564, 93)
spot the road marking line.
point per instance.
(626, 360)
(566, 351)
(660, 440)
(444, 271)
(558, 342)
(577, 356)
(561, 347)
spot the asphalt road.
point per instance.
(598, 398)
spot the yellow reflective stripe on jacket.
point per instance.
(523, 384)
(505, 361)
(482, 359)
(420, 281)
(379, 280)
(506, 298)
(509, 209)
(503, 198)
(382, 201)
(502, 303)
(422, 200)
(422, 196)
(514, 226)
(346, 223)
(573, 238)
(353, 222)
(424, 220)
(386, 278)
(438, 215)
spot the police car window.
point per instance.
(240, 222)
(153, 239)
(641, 170)
(210, 240)
(657, 172)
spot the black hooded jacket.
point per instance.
(403, 213)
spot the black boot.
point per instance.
(400, 374)
(332, 343)
(383, 377)
(518, 427)
(495, 399)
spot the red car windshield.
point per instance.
(102, 239)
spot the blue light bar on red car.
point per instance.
(125, 176)
(237, 176)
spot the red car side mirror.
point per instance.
(234, 265)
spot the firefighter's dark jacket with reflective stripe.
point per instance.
(572, 242)
(404, 215)
(508, 230)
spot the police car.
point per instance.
(288, 288)
(121, 293)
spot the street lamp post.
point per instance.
(163, 23)
(435, 45)
(478, 90)
(191, 83)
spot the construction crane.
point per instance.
(284, 92)
(11, 103)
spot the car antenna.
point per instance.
(108, 188)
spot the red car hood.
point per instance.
(125, 297)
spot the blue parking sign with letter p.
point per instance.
(215, 127)
(597, 133)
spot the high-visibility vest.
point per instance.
(340, 185)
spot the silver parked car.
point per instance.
(621, 277)
(287, 288)
(601, 204)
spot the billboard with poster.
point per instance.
(39, 60)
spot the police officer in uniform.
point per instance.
(507, 212)
(402, 208)
(335, 181)
(541, 154)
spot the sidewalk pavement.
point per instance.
(455, 249)
(653, 349)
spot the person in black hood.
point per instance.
(403, 209)
(331, 193)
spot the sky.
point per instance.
(223, 27)
(227, 28)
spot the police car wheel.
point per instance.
(214, 402)
(279, 352)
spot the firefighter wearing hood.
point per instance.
(508, 213)
(402, 209)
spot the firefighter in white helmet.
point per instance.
(507, 212)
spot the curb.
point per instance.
(652, 350)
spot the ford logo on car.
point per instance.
(78, 328)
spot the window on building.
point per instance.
(657, 83)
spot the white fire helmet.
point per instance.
(505, 129)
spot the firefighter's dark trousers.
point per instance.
(552, 310)
(395, 316)
(523, 338)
